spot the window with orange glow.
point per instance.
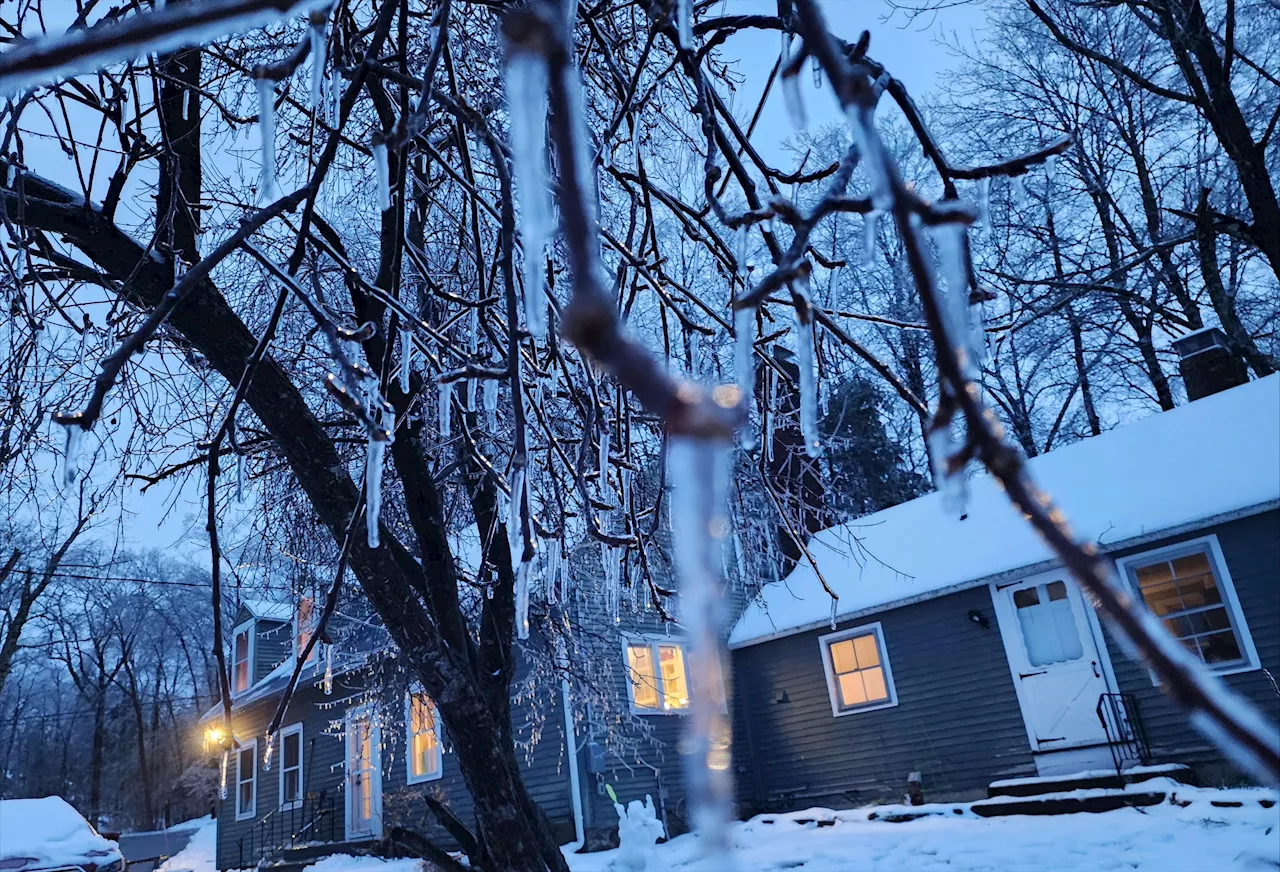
(242, 659)
(426, 757)
(858, 670)
(658, 676)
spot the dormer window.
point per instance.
(242, 658)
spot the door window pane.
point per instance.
(424, 743)
(675, 684)
(1048, 625)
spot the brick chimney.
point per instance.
(1207, 363)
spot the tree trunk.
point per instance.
(96, 756)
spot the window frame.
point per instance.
(410, 778)
(293, 729)
(654, 642)
(1128, 565)
(251, 627)
(242, 815)
(828, 665)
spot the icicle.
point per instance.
(1018, 186)
(71, 453)
(267, 129)
(266, 754)
(551, 569)
(318, 46)
(794, 101)
(373, 477)
(817, 72)
(862, 126)
(741, 253)
(699, 472)
(335, 96)
(604, 460)
(522, 600)
(770, 416)
(869, 237)
(978, 333)
(739, 556)
(950, 238)
(445, 400)
(186, 105)
(744, 328)
(684, 23)
(835, 601)
(953, 486)
(984, 203)
(491, 404)
(406, 358)
(383, 168)
(808, 388)
(328, 670)
(222, 769)
(526, 82)
(240, 476)
(471, 395)
(695, 353)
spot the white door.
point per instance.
(1059, 673)
(363, 775)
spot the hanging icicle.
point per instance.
(270, 742)
(699, 472)
(808, 387)
(445, 400)
(603, 461)
(949, 237)
(526, 83)
(318, 45)
(222, 773)
(373, 475)
(869, 237)
(740, 252)
(327, 684)
(334, 108)
(71, 452)
(491, 404)
(240, 476)
(770, 416)
(406, 358)
(984, 204)
(270, 192)
(835, 602)
(953, 486)
(695, 354)
(383, 167)
(817, 72)
(744, 328)
(1018, 187)
(684, 24)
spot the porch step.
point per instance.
(1088, 780)
(1076, 802)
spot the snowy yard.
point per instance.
(1199, 837)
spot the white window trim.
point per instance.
(408, 740)
(253, 806)
(653, 640)
(824, 648)
(251, 626)
(1222, 575)
(302, 788)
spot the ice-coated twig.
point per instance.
(698, 470)
(85, 49)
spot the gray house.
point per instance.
(956, 650)
(960, 651)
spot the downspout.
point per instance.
(571, 747)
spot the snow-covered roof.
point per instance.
(267, 610)
(1211, 457)
(50, 832)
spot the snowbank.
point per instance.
(1211, 457)
(50, 831)
(1163, 838)
(201, 853)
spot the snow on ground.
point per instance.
(1165, 838)
(51, 831)
(200, 854)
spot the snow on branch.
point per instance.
(87, 49)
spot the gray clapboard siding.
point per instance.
(272, 645)
(957, 720)
(1251, 548)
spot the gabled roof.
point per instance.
(1210, 458)
(268, 610)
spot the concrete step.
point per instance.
(1092, 779)
(1092, 801)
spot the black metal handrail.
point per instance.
(316, 818)
(1126, 736)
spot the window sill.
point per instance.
(840, 713)
(423, 779)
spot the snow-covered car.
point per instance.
(50, 836)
